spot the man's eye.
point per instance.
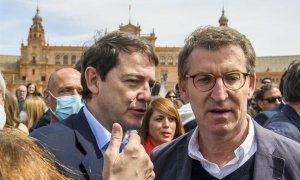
(232, 78)
(203, 79)
(135, 81)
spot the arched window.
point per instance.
(170, 60)
(73, 59)
(57, 59)
(66, 58)
(162, 60)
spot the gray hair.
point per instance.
(214, 38)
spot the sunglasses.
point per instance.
(272, 100)
(171, 96)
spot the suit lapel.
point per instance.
(93, 160)
(267, 162)
(183, 161)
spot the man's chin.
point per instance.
(133, 125)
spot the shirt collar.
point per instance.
(242, 154)
(101, 134)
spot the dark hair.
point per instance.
(171, 91)
(104, 55)
(260, 94)
(291, 85)
(214, 38)
(281, 82)
(155, 89)
(36, 92)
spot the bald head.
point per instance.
(67, 75)
(63, 82)
(21, 92)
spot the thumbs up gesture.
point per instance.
(133, 163)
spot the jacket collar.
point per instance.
(93, 160)
(184, 167)
(268, 162)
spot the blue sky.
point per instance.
(273, 26)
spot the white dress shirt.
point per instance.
(242, 154)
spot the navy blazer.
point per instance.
(74, 145)
(286, 123)
(277, 157)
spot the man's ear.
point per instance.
(46, 97)
(92, 78)
(252, 85)
(183, 90)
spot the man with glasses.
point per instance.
(269, 97)
(21, 94)
(287, 122)
(216, 75)
(269, 100)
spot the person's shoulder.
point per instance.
(54, 130)
(269, 138)
(278, 120)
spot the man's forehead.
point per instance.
(22, 87)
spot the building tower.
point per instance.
(34, 54)
(36, 34)
(223, 21)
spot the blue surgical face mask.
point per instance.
(66, 106)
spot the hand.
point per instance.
(133, 163)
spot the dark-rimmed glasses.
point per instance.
(231, 80)
(272, 100)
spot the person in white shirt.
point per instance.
(217, 77)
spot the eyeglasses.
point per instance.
(231, 80)
(272, 100)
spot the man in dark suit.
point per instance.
(118, 73)
(287, 122)
(216, 75)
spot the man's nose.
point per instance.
(145, 93)
(219, 91)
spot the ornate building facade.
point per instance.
(38, 59)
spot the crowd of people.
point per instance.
(104, 119)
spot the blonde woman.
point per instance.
(34, 108)
(21, 158)
(12, 113)
(161, 123)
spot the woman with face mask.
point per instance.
(161, 124)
